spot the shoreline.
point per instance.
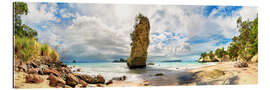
(222, 73)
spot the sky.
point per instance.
(87, 31)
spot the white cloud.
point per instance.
(248, 13)
(102, 31)
(40, 13)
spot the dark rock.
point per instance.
(109, 82)
(33, 71)
(119, 78)
(87, 78)
(56, 81)
(100, 79)
(72, 80)
(34, 65)
(33, 78)
(83, 83)
(241, 64)
(78, 70)
(40, 71)
(119, 61)
(159, 74)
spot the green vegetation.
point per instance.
(25, 42)
(242, 47)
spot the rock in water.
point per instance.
(140, 43)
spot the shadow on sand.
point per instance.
(180, 77)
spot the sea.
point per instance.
(109, 69)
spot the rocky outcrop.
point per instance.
(100, 79)
(208, 59)
(87, 78)
(33, 78)
(33, 71)
(140, 43)
(214, 59)
(51, 71)
(56, 81)
(72, 80)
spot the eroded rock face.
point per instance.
(34, 78)
(140, 43)
(56, 81)
(72, 80)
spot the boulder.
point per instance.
(140, 43)
(33, 71)
(83, 83)
(64, 69)
(34, 65)
(33, 78)
(51, 71)
(56, 81)
(159, 74)
(254, 58)
(109, 82)
(23, 67)
(40, 71)
(241, 64)
(100, 79)
(119, 78)
(87, 78)
(72, 80)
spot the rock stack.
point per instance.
(140, 43)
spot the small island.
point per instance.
(121, 60)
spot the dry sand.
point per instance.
(20, 82)
(223, 73)
(232, 75)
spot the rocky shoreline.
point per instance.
(47, 74)
(53, 74)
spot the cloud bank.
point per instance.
(101, 31)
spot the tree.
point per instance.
(203, 54)
(244, 45)
(21, 30)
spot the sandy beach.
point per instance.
(223, 73)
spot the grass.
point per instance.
(28, 48)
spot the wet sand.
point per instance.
(223, 73)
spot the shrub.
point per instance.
(25, 48)
(54, 55)
(45, 50)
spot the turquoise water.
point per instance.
(110, 70)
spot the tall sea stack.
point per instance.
(140, 43)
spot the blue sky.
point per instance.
(101, 31)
